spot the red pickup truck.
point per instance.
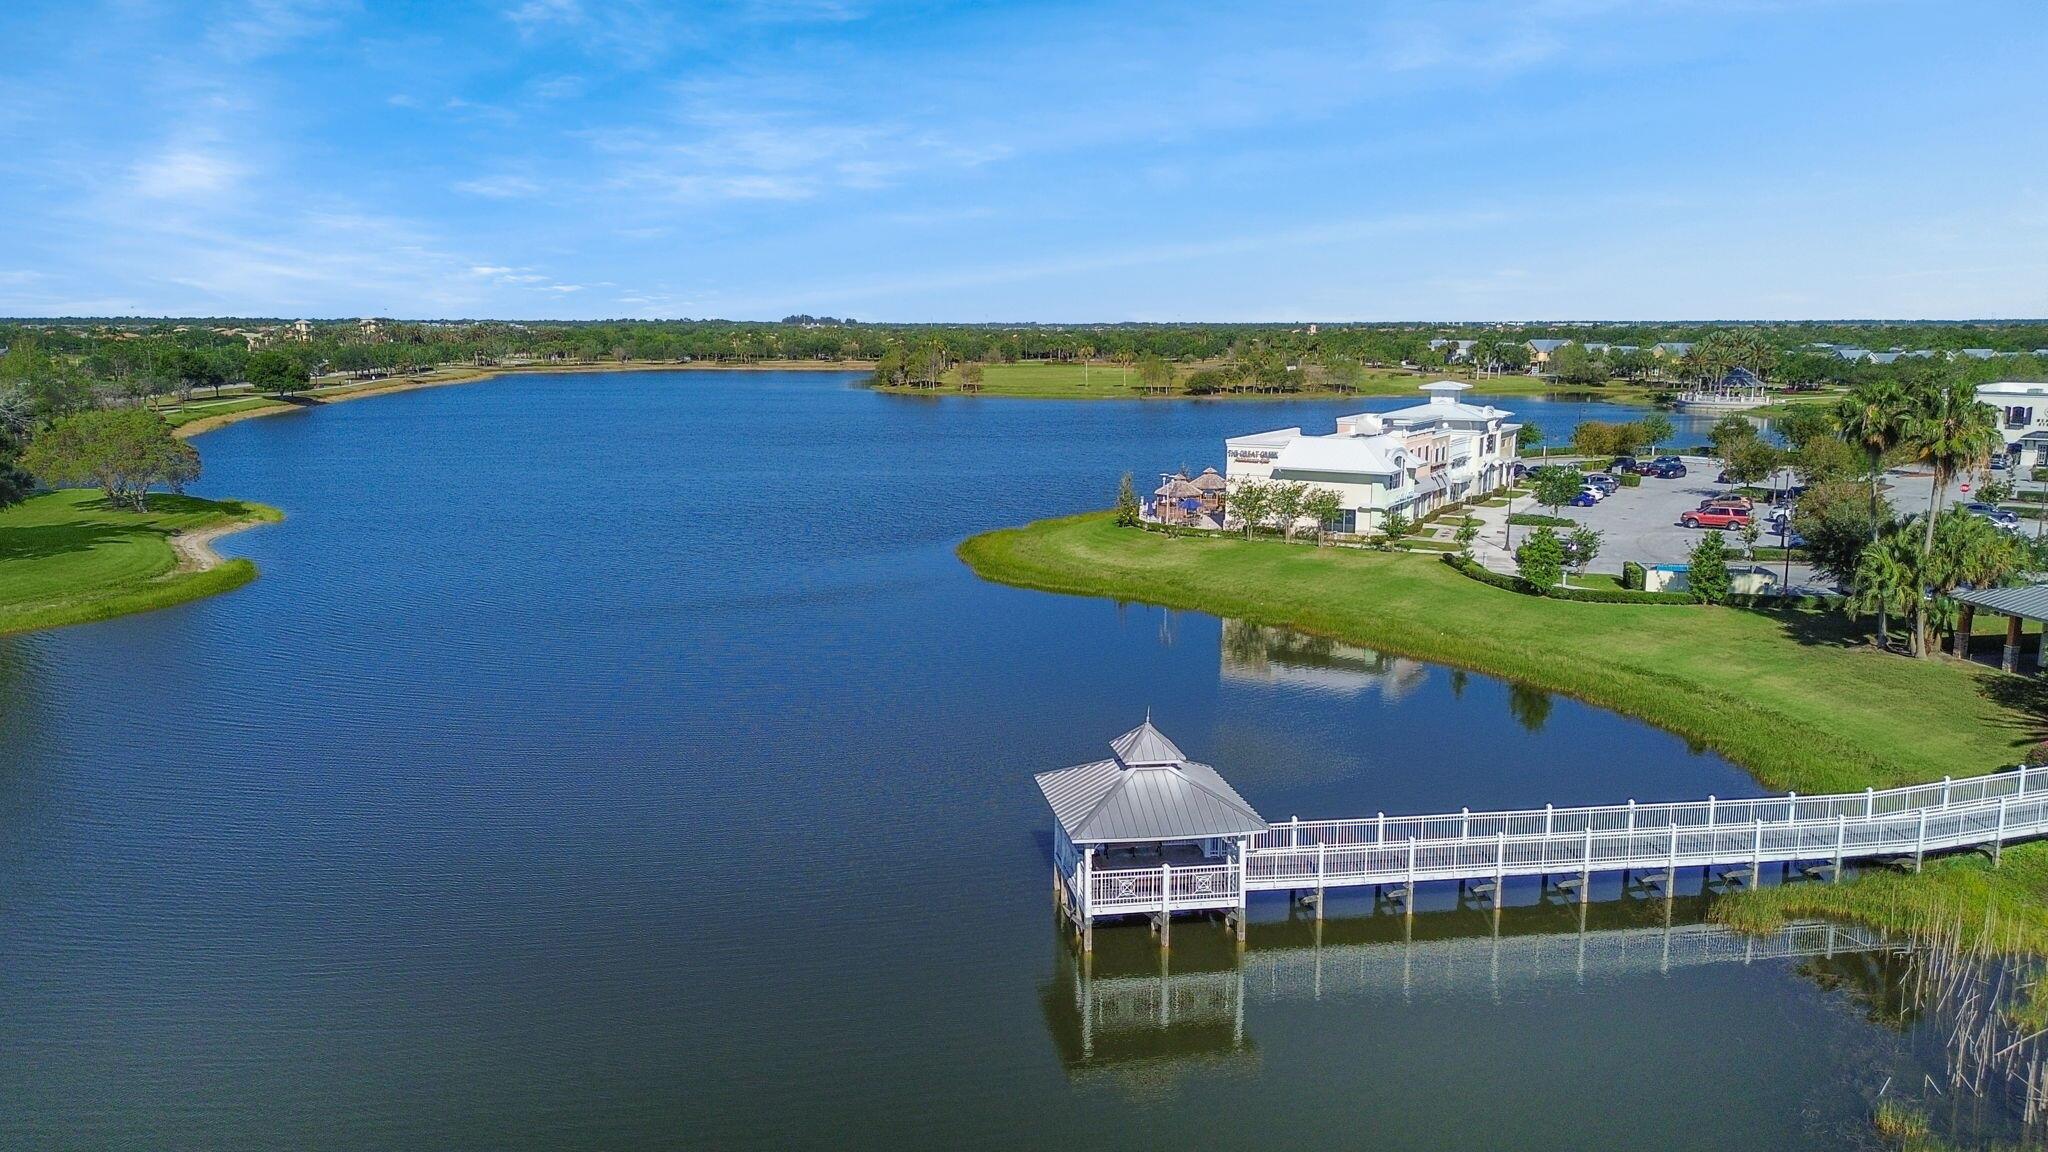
(1715, 518)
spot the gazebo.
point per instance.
(1125, 829)
(1213, 486)
(1176, 500)
(2025, 602)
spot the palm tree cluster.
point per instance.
(1915, 565)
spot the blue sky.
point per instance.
(1556, 159)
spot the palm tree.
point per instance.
(1887, 575)
(1955, 433)
(1873, 417)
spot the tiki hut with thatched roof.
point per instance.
(1213, 486)
(1177, 500)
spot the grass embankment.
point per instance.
(1057, 380)
(1793, 695)
(70, 557)
(207, 413)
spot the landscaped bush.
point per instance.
(1630, 480)
(1582, 595)
(1632, 575)
(1539, 520)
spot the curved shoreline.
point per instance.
(396, 384)
(195, 549)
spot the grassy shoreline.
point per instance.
(1042, 380)
(1792, 696)
(71, 557)
(208, 413)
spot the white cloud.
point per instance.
(502, 187)
(185, 172)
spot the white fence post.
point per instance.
(1841, 840)
(1294, 832)
(1380, 837)
(1791, 807)
(1631, 823)
(1710, 811)
(1946, 783)
(1165, 904)
(1869, 803)
(1586, 867)
(1756, 857)
(1322, 866)
(1464, 823)
(1410, 901)
(1920, 845)
(1998, 845)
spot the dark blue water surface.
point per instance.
(622, 761)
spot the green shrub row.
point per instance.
(1630, 480)
(1539, 520)
(1633, 575)
(1582, 595)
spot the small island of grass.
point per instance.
(73, 556)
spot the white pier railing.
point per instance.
(1478, 846)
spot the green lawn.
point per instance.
(1794, 696)
(69, 557)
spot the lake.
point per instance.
(622, 761)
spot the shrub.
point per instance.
(1632, 575)
(1541, 558)
(1501, 580)
(1539, 520)
(1630, 480)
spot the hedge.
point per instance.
(1633, 575)
(1630, 480)
(1539, 520)
(1581, 595)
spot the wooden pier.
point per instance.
(1216, 868)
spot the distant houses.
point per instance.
(1413, 460)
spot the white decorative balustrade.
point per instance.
(1476, 846)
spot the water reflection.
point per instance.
(1130, 1004)
(1259, 653)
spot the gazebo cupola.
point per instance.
(1148, 797)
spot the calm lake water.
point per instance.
(625, 761)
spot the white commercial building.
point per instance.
(1415, 459)
(2022, 417)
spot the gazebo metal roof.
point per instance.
(2028, 601)
(1147, 791)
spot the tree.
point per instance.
(1950, 430)
(1707, 570)
(1824, 460)
(122, 451)
(1574, 365)
(1585, 545)
(1252, 502)
(1555, 486)
(1155, 374)
(1750, 461)
(1128, 511)
(1324, 506)
(1872, 418)
(1528, 436)
(1596, 438)
(1288, 499)
(1345, 375)
(1887, 579)
(970, 376)
(1750, 531)
(1394, 526)
(1656, 429)
(1967, 550)
(1836, 524)
(1805, 423)
(272, 370)
(1729, 432)
(1540, 559)
(1467, 533)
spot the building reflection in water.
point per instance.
(1255, 653)
(1131, 1006)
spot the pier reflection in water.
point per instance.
(1131, 1004)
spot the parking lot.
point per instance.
(1639, 524)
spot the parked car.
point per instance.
(1665, 468)
(1624, 464)
(2004, 518)
(1733, 500)
(1715, 518)
(1603, 482)
(1519, 471)
(1598, 494)
(1585, 499)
